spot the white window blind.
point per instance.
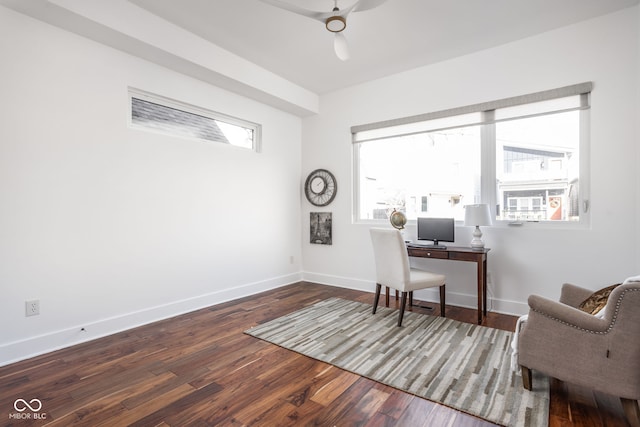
(572, 97)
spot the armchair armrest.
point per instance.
(566, 314)
(574, 295)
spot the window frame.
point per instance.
(488, 187)
(184, 107)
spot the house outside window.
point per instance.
(524, 156)
(538, 163)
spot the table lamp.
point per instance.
(477, 215)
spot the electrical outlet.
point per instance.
(32, 308)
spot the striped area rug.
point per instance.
(460, 365)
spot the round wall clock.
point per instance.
(320, 187)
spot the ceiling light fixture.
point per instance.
(336, 23)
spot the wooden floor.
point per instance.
(200, 369)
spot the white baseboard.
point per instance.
(453, 298)
(35, 346)
(339, 281)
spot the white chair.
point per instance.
(393, 270)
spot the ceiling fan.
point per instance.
(335, 21)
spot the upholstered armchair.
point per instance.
(598, 352)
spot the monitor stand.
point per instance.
(436, 245)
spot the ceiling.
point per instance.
(287, 60)
(396, 36)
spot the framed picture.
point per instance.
(320, 228)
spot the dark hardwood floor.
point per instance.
(199, 369)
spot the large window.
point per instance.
(524, 156)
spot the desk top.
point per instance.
(448, 248)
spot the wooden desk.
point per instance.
(457, 253)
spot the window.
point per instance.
(539, 165)
(441, 169)
(525, 156)
(159, 114)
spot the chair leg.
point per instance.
(526, 377)
(410, 299)
(377, 297)
(631, 411)
(442, 301)
(386, 297)
(403, 303)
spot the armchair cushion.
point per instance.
(597, 300)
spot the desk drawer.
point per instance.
(428, 253)
(468, 256)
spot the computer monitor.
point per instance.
(436, 229)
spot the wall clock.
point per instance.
(320, 187)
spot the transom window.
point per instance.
(159, 114)
(524, 156)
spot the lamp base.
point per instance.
(476, 242)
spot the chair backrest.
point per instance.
(623, 311)
(625, 329)
(392, 261)
(618, 370)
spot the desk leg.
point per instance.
(484, 286)
(482, 294)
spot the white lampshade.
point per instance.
(477, 215)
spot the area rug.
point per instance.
(460, 365)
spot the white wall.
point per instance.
(638, 152)
(111, 227)
(522, 260)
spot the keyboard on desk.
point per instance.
(425, 246)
